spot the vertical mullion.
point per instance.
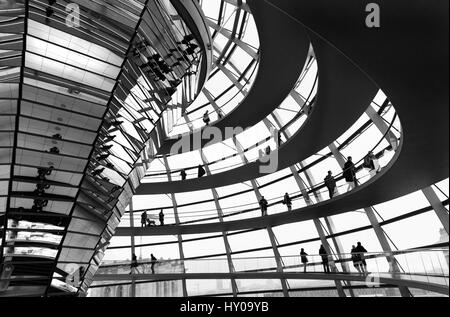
(307, 199)
(224, 233)
(278, 259)
(177, 222)
(133, 249)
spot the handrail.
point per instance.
(308, 188)
(345, 143)
(295, 242)
(340, 257)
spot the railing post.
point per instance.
(133, 249)
(234, 287)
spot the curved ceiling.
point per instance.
(279, 70)
(418, 91)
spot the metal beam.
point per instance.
(383, 127)
(437, 205)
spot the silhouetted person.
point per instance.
(54, 150)
(323, 253)
(144, 219)
(371, 163)
(183, 175)
(287, 201)
(201, 171)
(116, 123)
(41, 187)
(330, 182)
(350, 173)
(360, 250)
(57, 136)
(134, 264)
(102, 157)
(263, 204)
(98, 172)
(39, 204)
(44, 172)
(106, 147)
(161, 218)
(109, 138)
(304, 258)
(268, 149)
(153, 261)
(48, 12)
(356, 259)
(206, 118)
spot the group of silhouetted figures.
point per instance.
(264, 204)
(349, 174)
(200, 172)
(357, 256)
(134, 266)
(146, 221)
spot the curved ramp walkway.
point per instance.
(408, 280)
(284, 46)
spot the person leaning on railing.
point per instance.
(356, 259)
(330, 183)
(287, 201)
(263, 204)
(304, 258)
(144, 219)
(324, 255)
(371, 163)
(360, 250)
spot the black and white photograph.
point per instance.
(224, 156)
